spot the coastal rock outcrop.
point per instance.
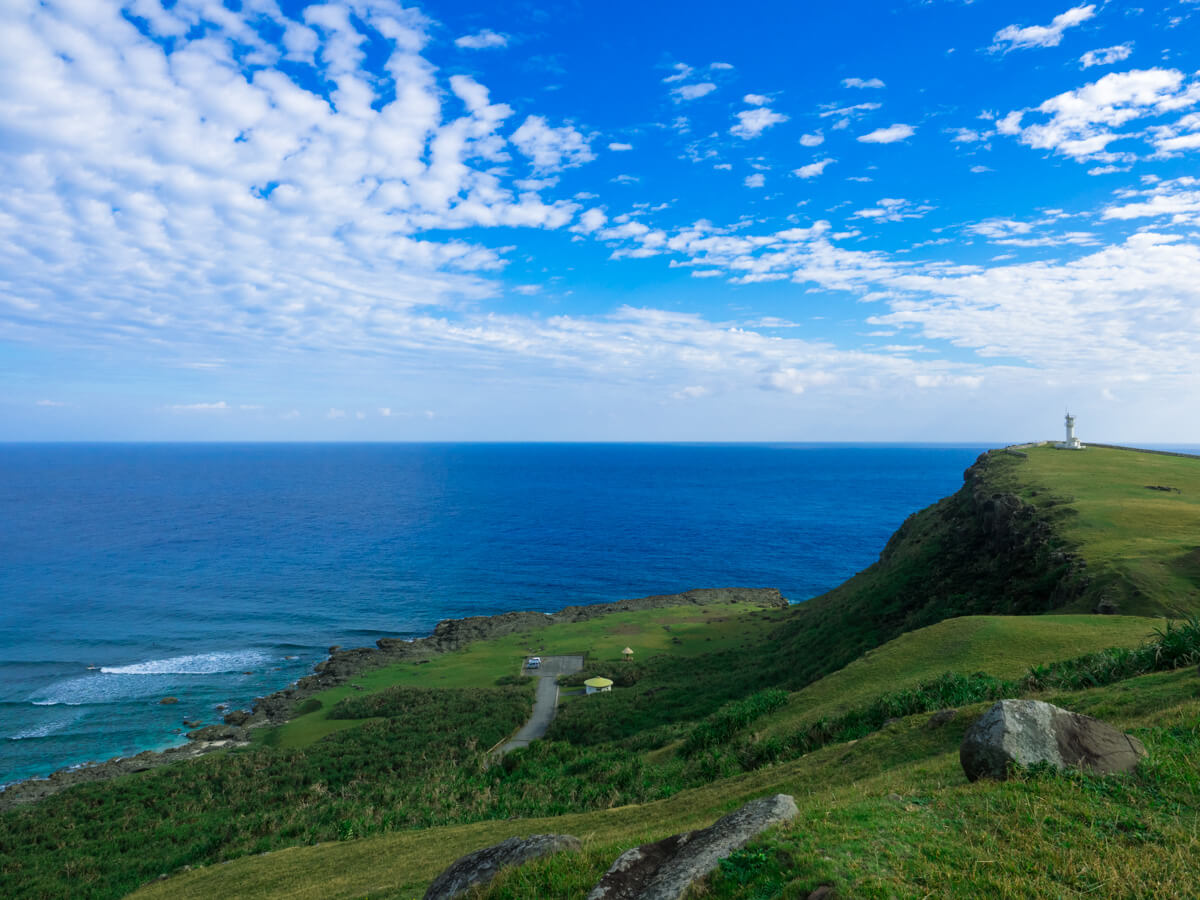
(666, 869)
(1025, 732)
(483, 865)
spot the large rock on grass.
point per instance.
(666, 869)
(1026, 732)
(483, 865)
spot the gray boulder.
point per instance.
(1025, 732)
(483, 865)
(665, 869)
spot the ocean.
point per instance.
(216, 573)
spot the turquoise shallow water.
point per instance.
(217, 573)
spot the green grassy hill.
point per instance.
(375, 788)
(1132, 517)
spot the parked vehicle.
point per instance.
(535, 662)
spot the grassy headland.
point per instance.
(373, 789)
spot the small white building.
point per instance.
(598, 685)
(1072, 442)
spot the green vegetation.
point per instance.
(889, 815)
(1141, 543)
(686, 631)
(105, 839)
(379, 783)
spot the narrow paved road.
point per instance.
(546, 701)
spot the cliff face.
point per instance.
(979, 551)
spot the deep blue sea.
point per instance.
(218, 573)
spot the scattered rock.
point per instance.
(823, 892)
(237, 717)
(483, 865)
(1025, 732)
(895, 798)
(167, 701)
(940, 718)
(666, 869)
(218, 733)
(1163, 487)
(191, 723)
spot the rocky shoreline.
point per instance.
(342, 664)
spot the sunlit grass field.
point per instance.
(1141, 545)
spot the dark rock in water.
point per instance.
(483, 865)
(167, 701)
(1025, 732)
(218, 733)
(941, 717)
(666, 869)
(191, 723)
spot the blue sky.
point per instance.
(911, 221)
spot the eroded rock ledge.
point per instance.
(277, 708)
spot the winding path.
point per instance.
(546, 701)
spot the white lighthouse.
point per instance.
(1072, 442)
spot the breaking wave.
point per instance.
(195, 664)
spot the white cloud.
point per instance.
(1178, 199)
(754, 181)
(335, 413)
(812, 170)
(385, 411)
(590, 221)
(50, 403)
(1013, 37)
(850, 112)
(889, 135)
(218, 406)
(892, 209)
(756, 99)
(681, 72)
(141, 165)
(692, 392)
(1135, 303)
(812, 140)
(482, 40)
(693, 91)
(753, 122)
(862, 83)
(969, 135)
(1016, 233)
(1105, 56)
(551, 149)
(980, 169)
(1081, 123)
(619, 148)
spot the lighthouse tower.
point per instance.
(1072, 442)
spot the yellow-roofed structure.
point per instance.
(598, 685)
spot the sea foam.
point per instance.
(194, 664)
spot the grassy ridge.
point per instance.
(1141, 545)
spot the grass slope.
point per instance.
(1142, 546)
(1001, 646)
(886, 816)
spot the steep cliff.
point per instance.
(982, 550)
